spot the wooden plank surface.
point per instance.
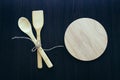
(17, 62)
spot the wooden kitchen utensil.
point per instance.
(85, 39)
(25, 26)
(38, 21)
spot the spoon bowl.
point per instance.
(24, 25)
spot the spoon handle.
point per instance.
(45, 57)
(41, 51)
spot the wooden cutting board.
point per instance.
(85, 39)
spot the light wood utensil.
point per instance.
(25, 26)
(85, 39)
(38, 21)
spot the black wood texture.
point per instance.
(17, 62)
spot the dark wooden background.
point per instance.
(17, 62)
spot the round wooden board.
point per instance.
(85, 39)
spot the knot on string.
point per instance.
(38, 44)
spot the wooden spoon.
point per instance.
(38, 20)
(85, 39)
(25, 26)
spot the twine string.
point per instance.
(38, 44)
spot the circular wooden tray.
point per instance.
(85, 39)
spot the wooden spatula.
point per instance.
(38, 21)
(85, 39)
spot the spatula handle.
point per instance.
(39, 60)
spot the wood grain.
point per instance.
(85, 39)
